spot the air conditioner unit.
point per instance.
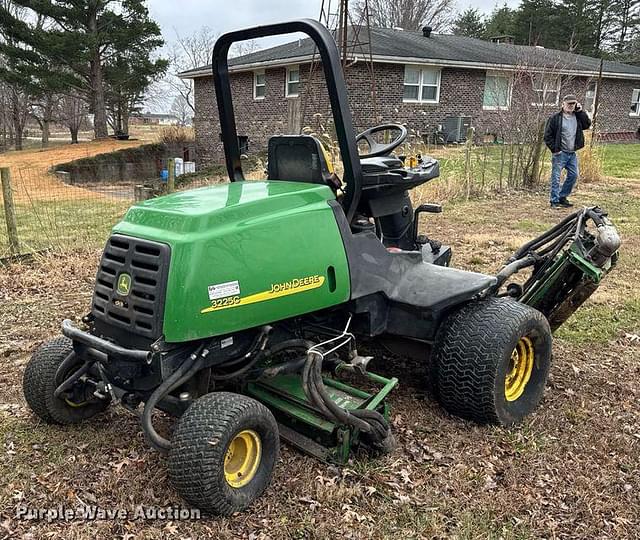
(455, 128)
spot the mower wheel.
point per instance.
(39, 383)
(491, 360)
(223, 452)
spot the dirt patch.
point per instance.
(570, 471)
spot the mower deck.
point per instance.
(303, 425)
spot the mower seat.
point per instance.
(300, 158)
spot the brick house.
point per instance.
(421, 79)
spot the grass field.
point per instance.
(622, 160)
(569, 471)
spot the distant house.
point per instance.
(154, 119)
(422, 79)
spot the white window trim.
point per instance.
(637, 113)
(595, 93)
(503, 75)
(420, 85)
(255, 84)
(555, 104)
(286, 81)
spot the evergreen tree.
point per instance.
(82, 37)
(539, 22)
(501, 22)
(580, 18)
(626, 20)
(469, 23)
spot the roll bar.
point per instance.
(337, 95)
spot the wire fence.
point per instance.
(47, 209)
(75, 205)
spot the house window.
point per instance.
(546, 88)
(590, 97)
(497, 91)
(292, 88)
(635, 102)
(421, 85)
(259, 84)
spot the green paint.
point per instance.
(262, 235)
(285, 397)
(594, 273)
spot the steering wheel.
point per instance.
(375, 148)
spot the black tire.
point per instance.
(39, 383)
(199, 451)
(474, 354)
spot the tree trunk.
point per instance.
(17, 119)
(97, 89)
(125, 120)
(74, 134)
(45, 132)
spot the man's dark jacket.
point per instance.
(553, 131)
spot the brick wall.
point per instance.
(461, 94)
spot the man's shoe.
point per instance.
(564, 202)
(555, 205)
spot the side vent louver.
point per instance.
(131, 285)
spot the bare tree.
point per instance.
(184, 54)
(188, 52)
(15, 99)
(181, 110)
(44, 110)
(520, 111)
(410, 14)
(73, 113)
(19, 106)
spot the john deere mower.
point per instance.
(239, 308)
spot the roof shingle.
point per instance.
(398, 44)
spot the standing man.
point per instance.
(563, 136)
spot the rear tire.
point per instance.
(223, 452)
(39, 383)
(491, 360)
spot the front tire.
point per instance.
(491, 360)
(40, 382)
(223, 452)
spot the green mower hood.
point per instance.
(243, 254)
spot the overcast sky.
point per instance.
(187, 16)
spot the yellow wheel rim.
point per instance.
(242, 458)
(520, 369)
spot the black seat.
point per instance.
(299, 158)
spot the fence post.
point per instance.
(9, 211)
(171, 181)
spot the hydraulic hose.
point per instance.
(551, 233)
(259, 344)
(370, 422)
(178, 377)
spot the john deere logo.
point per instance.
(124, 284)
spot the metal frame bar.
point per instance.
(337, 95)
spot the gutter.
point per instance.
(206, 72)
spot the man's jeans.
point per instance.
(563, 160)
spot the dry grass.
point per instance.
(591, 161)
(570, 471)
(30, 176)
(176, 135)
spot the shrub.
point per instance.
(176, 135)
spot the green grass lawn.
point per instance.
(62, 224)
(622, 160)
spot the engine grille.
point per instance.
(136, 303)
